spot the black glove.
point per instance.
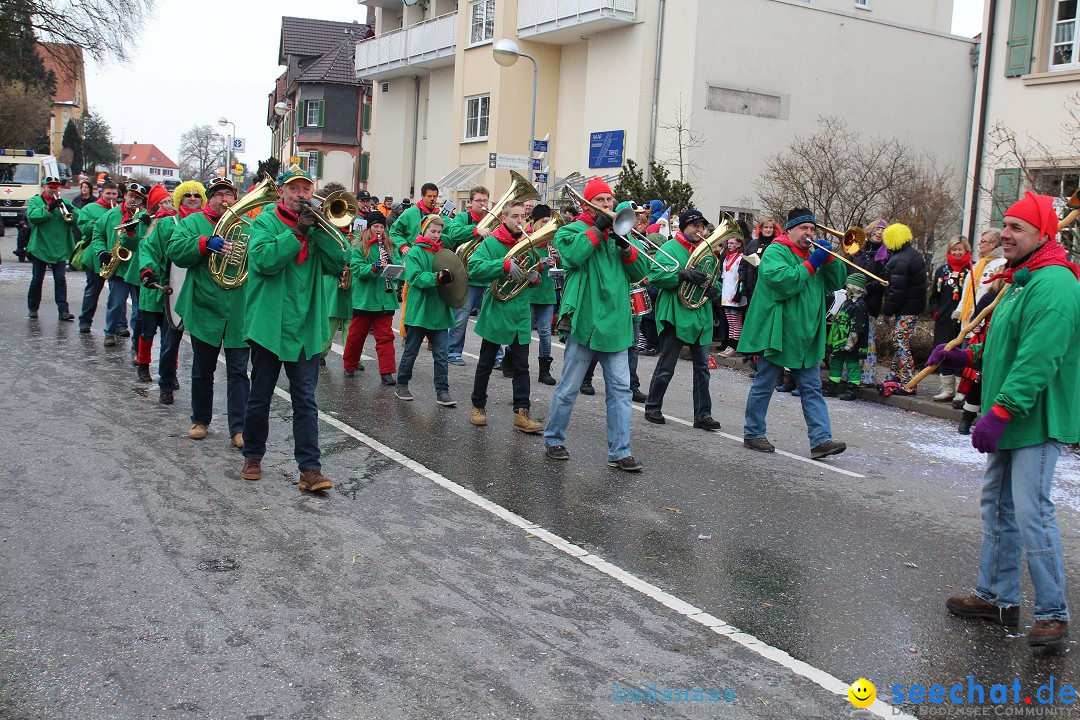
(602, 223)
(145, 219)
(711, 291)
(445, 277)
(56, 203)
(621, 242)
(104, 256)
(305, 221)
(148, 279)
(692, 276)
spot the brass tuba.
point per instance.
(705, 258)
(229, 270)
(524, 254)
(520, 190)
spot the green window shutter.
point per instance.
(322, 105)
(1006, 192)
(365, 166)
(318, 160)
(300, 113)
(365, 117)
(1021, 38)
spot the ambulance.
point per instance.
(21, 173)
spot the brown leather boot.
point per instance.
(238, 441)
(314, 481)
(524, 423)
(1048, 632)
(252, 469)
(975, 607)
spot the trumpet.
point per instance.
(852, 241)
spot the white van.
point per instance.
(21, 173)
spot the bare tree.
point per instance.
(105, 28)
(683, 142)
(201, 153)
(847, 180)
(24, 113)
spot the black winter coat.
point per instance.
(906, 273)
(875, 291)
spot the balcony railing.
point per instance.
(428, 44)
(565, 21)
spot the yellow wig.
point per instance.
(185, 187)
(896, 236)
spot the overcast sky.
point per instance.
(197, 61)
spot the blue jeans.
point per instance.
(237, 388)
(116, 316)
(94, 285)
(543, 314)
(303, 377)
(37, 279)
(1018, 515)
(576, 359)
(414, 338)
(456, 341)
(670, 345)
(815, 413)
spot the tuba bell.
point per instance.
(705, 258)
(229, 270)
(520, 190)
(525, 255)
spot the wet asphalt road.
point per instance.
(392, 597)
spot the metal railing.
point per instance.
(425, 40)
(532, 14)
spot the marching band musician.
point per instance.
(338, 299)
(374, 299)
(407, 226)
(289, 255)
(458, 232)
(188, 197)
(51, 244)
(680, 326)
(124, 283)
(1030, 365)
(506, 322)
(785, 325)
(596, 317)
(213, 316)
(542, 297)
(88, 217)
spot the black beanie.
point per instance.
(374, 217)
(540, 212)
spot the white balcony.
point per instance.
(561, 22)
(425, 45)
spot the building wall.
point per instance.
(392, 131)
(930, 14)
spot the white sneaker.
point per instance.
(728, 352)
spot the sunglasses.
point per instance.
(191, 195)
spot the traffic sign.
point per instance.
(540, 146)
(541, 177)
(503, 161)
(239, 145)
(538, 164)
(606, 149)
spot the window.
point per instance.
(314, 162)
(1063, 50)
(153, 171)
(864, 4)
(482, 24)
(476, 117)
(1057, 182)
(313, 113)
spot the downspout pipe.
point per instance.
(655, 93)
(416, 134)
(980, 142)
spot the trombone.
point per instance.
(622, 223)
(852, 241)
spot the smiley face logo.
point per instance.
(862, 693)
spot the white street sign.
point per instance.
(239, 145)
(502, 161)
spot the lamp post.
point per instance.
(506, 53)
(281, 109)
(228, 148)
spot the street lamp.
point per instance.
(281, 109)
(228, 148)
(506, 53)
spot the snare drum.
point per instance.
(640, 302)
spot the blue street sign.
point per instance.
(541, 177)
(606, 148)
(540, 146)
(537, 164)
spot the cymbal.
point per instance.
(454, 293)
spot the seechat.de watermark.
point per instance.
(971, 698)
(660, 694)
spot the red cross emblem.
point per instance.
(9, 191)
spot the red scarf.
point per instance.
(424, 209)
(783, 240)
(185, 211)
(372, 240)
(427, 244)
(164, 213)
(476, 218)
(684, 241)
(289, 218)
(959, 264)
(503, 235)
(105, 203)
(1049, 253)
(731, 259)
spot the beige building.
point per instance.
(749, 76)
(1029, 85)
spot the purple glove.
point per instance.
(957, 359)
(989, 429)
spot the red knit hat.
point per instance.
(156, 195)
(1037, 210)
(595, 187)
